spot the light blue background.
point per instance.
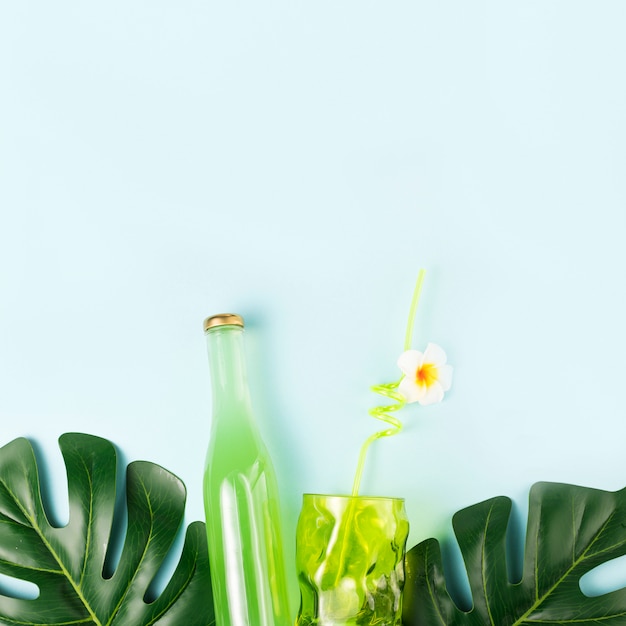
(298, 163)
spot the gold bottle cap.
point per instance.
(222, 320)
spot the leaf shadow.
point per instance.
(515, 543)
(54, 497)
(166, 570)
(120, 518)
(457, 581)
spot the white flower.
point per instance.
(426, 375)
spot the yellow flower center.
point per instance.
(426, 375)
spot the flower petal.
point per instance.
(433, 394)
(410, 390)
(409, 361)
(445, 376)
(434, 354)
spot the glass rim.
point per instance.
(351, 497)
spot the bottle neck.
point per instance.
(227, 364)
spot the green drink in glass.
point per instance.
(350, 560)
(350, 549)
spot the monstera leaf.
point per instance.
(69, 564)
(571, 530)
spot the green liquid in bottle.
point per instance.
(240, 495)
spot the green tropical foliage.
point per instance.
(69, 564)
(571, 530)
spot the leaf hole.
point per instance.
(120, 521)
(17, 588)
(605, 578)
(457, 581)
(52, 474)
(116, 541)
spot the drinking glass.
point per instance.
(350, 560)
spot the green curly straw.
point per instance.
(388, 390)
(380, 413)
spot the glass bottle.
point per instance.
(240, 494)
